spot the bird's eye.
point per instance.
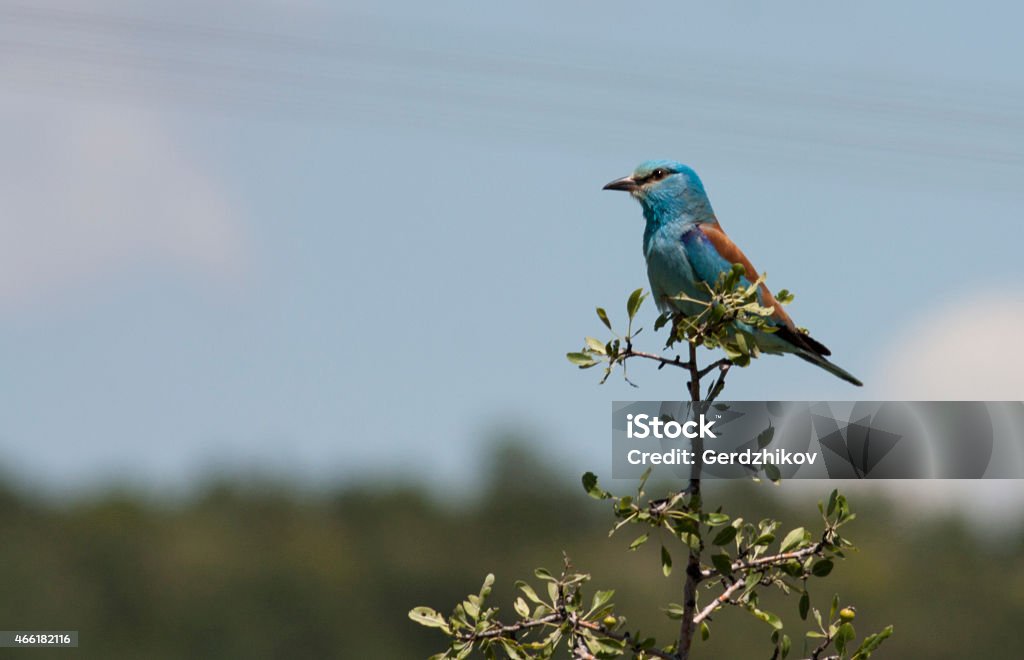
(658, 173)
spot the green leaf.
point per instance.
(544, 574)
(765, 437)
(726, 535)
(787, 644)
(805, 605)
(705, 631)
(723, 563)
(485, 590)
(638, 541)
(590, 485)
(715, 519)
(633, 304)
(529, 592)
(793, 539)
(771, 619)
(522, 609)
(675, 611)
(512, 650)
(822, 568)
(666, 562)
(834, 608)
(595, 345)
(832, 499)
(603, 315)
(426, 616)
(600, 599)
(772, 472)
(845, 634)
(581, 360)
(872, 642)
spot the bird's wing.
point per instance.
(710, 253)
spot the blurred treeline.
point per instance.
(248, 571)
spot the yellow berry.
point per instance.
(847, 614)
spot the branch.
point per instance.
(629, 352)
(693, 571)
(741, 565)
(719, 601)
(510, 629)
(557, 619)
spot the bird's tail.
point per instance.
(820, 361)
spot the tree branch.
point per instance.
(693, 571)
(719, 601)
(663, 361)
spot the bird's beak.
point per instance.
(625, 183)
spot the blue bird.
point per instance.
(686, 249)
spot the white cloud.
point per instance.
(965, 350)
(93, 190)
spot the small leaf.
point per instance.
(793, 539)
(581, 360)
(603, 315)
(485, 590)
(426, 616)
(544, 574)
(666, 562)
(600, 599)
(675, 611)
(529, 592)
(805, 605)
(771, 619)
(595, 345)
(705, 631)
(832, 499)
(822, 568)
(845, 634)
(638, 541)
(633, 304)
(872, 642)
(590, 485)
(522, 609)
(723, 563)
(715, 519)
(725, 536)
(787, 644)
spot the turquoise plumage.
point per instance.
(686, 249)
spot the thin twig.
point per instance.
(719, 601)
(663, 361)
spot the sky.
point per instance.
(343, 242)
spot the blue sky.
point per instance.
(338, 242)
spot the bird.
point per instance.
(687, 250)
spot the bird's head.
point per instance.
(666, 190)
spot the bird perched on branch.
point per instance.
(687, 250)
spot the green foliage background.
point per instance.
(251, 570)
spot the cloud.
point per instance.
(95, 190)
(965, 350)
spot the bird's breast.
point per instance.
(669, 270)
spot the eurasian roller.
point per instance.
(686, 250)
